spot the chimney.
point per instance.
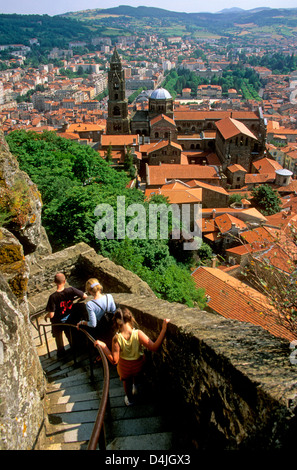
(213, 262)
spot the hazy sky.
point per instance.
(55, 7)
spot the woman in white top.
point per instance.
(96, 308)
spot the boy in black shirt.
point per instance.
(60, 310)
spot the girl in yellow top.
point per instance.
(127, 349)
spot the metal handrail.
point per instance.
(98, 432)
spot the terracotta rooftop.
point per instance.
(230, 127)
(177, 195)
(224, 223)
(160, 118)
(235, 300)
(85, 127)
(116, 140)
(267, 165)
(291, 188)
(160, 174)
(211, 187)
(213, 115)
(253, 178)
(259, 237)
(236, 167)
(161, 144)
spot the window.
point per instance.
(116, 111)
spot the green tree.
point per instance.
(266, 199)
(128, 163)
(108, 155)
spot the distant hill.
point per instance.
(59, 30)
(231, 10)
(261, 15)
(227, 22)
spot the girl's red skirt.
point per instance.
(128, 369)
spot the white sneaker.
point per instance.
(134, 390)
(127, 402)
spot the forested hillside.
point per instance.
(50, 31)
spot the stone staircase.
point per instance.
(73, 399)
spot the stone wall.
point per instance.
(22, 384)
(79, 263)
(230, 384)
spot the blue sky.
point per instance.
(54, 7)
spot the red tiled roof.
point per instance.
(159, 174)
(177, 196)
(252, 178)
(224, 223)
(267, 165)
(162, 117)
(211, 187)
(235, 300)
(161, 144)
(213, 115)
(229, 128)
(124, 139)
(236, 167)
(259, 237)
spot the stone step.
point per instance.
(73, 399)
(58, 421)
(136, 426)
(63, 397)
(157, 441)
(70, 433)
(79, 379)
(69, 407)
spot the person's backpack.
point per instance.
(107, 318)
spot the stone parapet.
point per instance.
(79, 263)
(229, 384)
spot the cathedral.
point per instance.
(236, 137)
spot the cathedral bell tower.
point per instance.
(117, 121)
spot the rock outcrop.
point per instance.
(13, 264)
(21, 377)
(20, 199)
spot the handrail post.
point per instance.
(46, 342)
(38, 328)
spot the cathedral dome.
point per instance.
(161, 94)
